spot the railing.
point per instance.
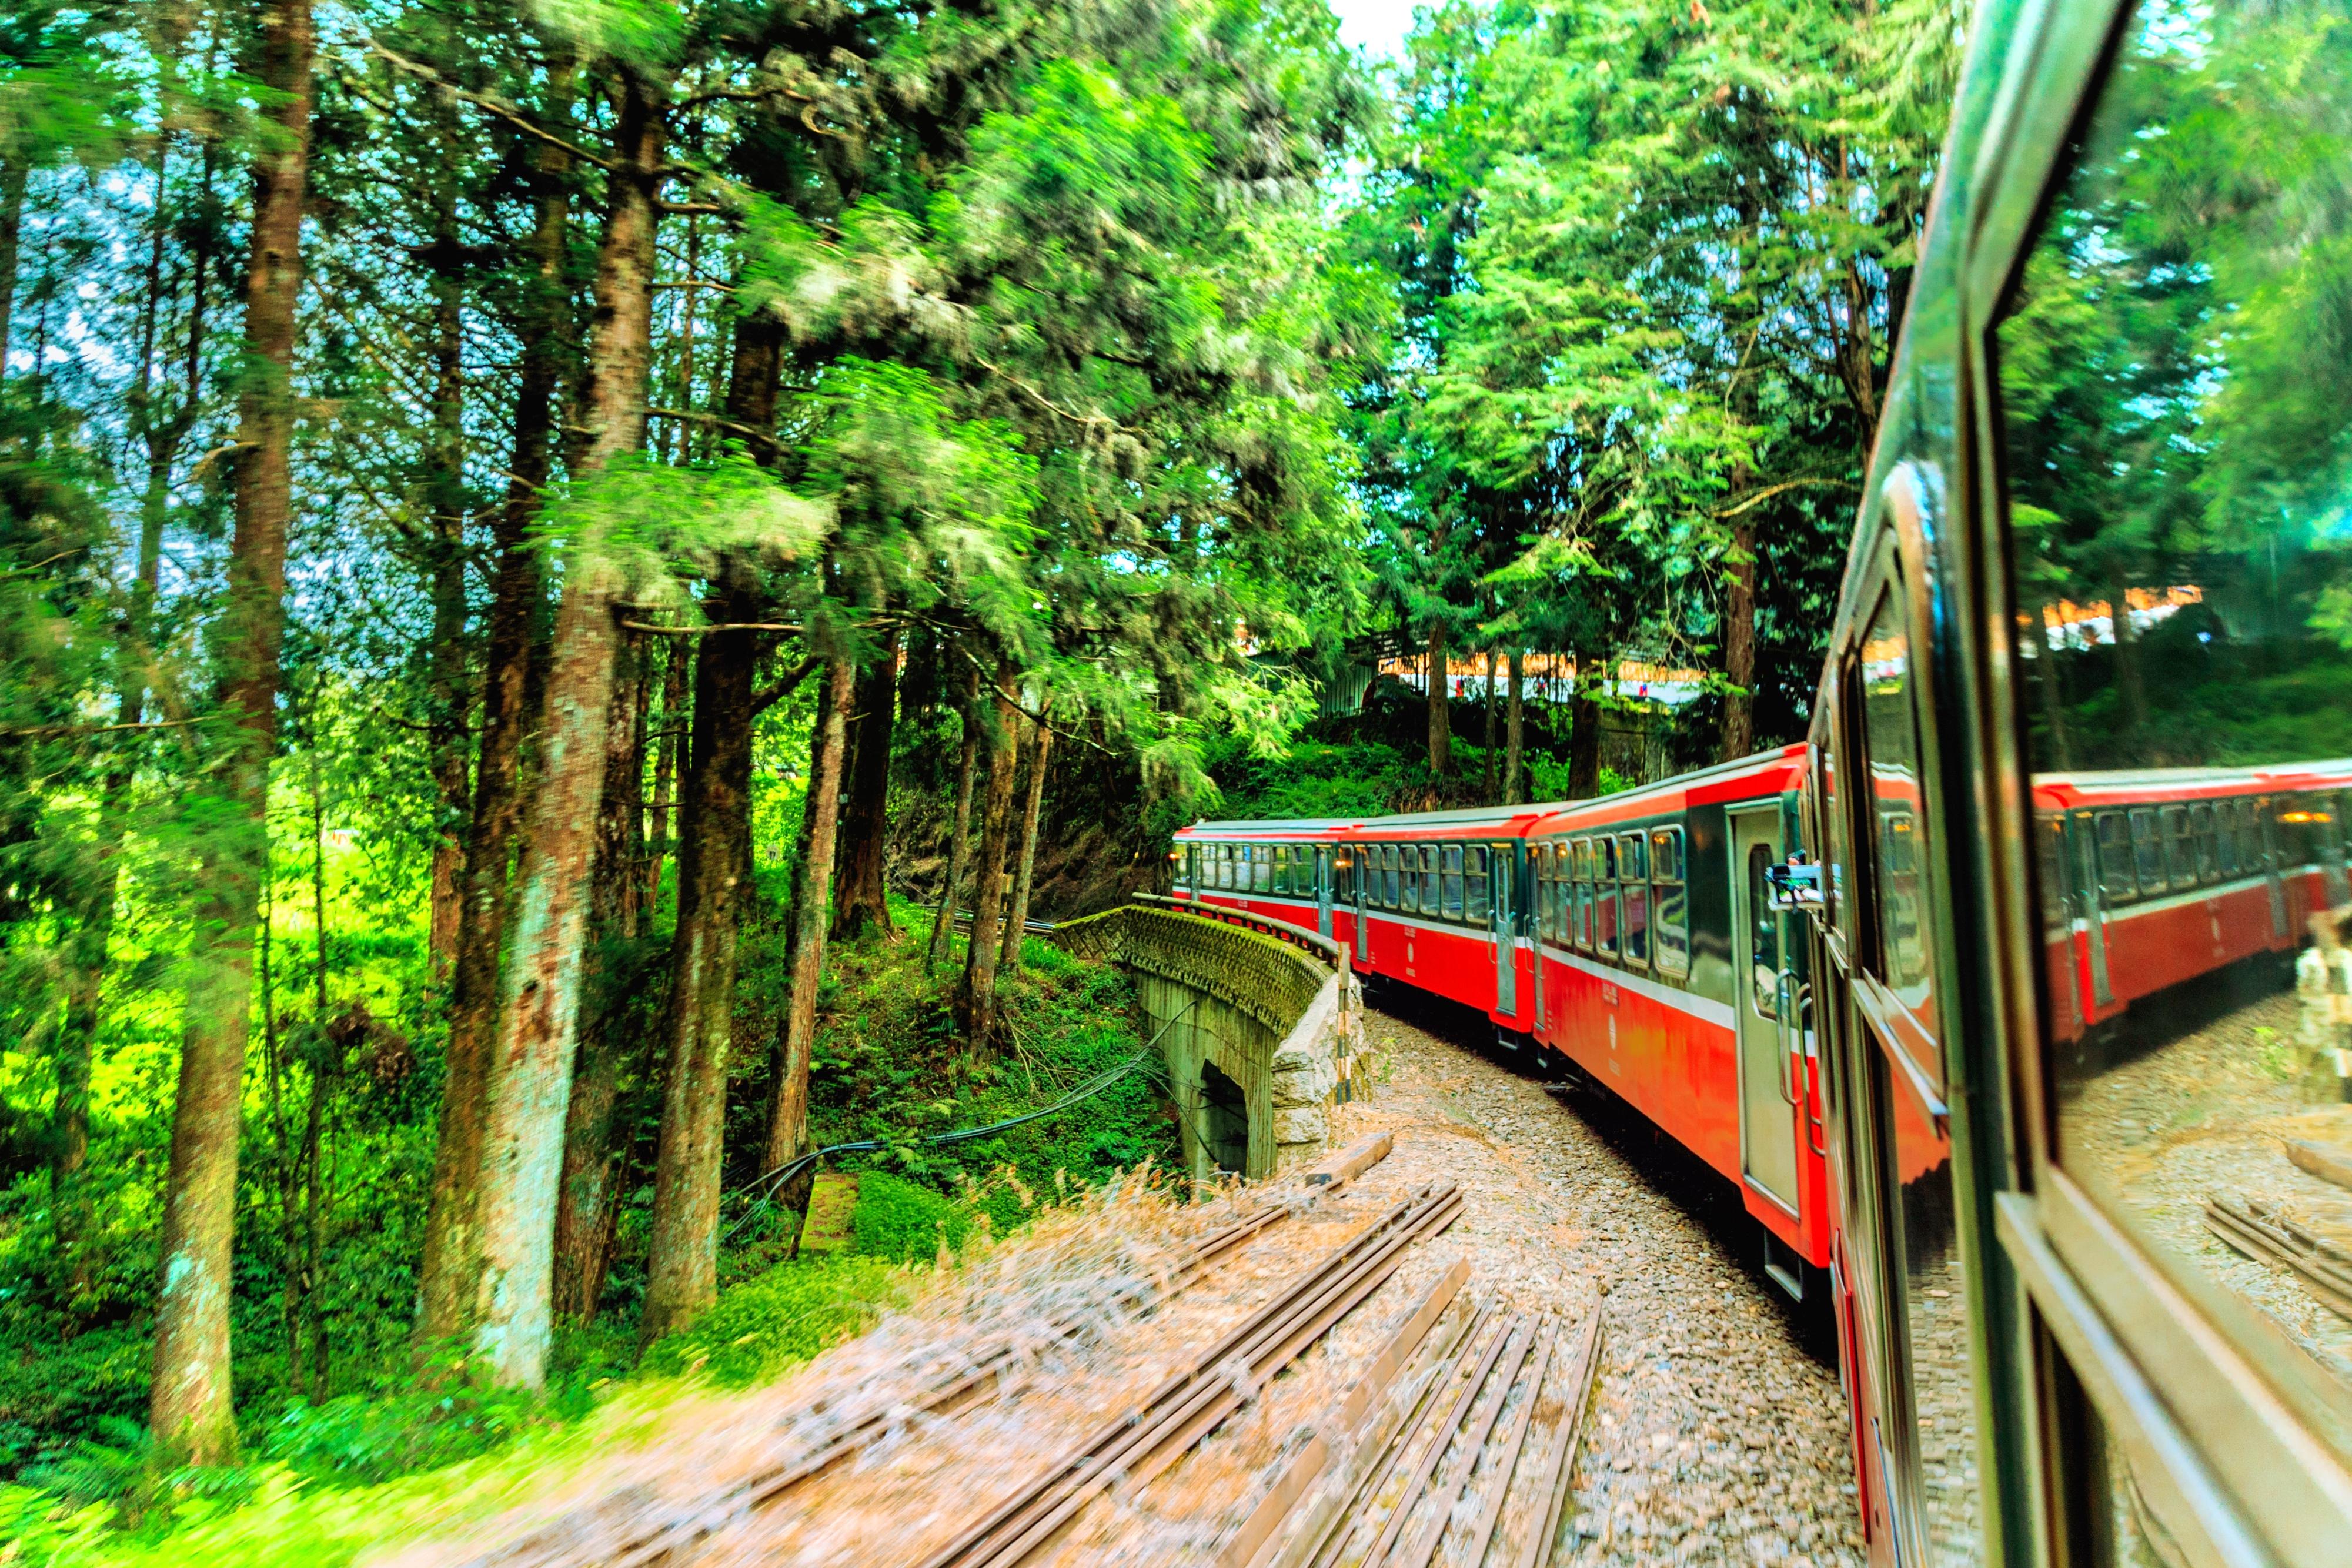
(1323, 947)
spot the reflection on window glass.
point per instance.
(2178, 411)
(1906, 942)
(1763, 935)
(1919, 1172)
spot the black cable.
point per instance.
(775, 1179)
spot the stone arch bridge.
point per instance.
(1260, 1023)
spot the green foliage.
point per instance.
(771, 1323)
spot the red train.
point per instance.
(1634, 936)
(2154, 878)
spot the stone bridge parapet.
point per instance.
(1260, 1024)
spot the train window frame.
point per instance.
(1633, 900)
(1450, 869)
(2205, 837)
(1476, 863)
(2227, 840)
(2147, 849)
(2180, 847)
(1669, 903)
(1604, 898)
(2223, 1453)
(2118, 867)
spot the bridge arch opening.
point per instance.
(1224, 1121)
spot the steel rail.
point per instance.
(1192, 1402)
(1374, 1474)
(1505, 1468)
(1562, 1464)
(1457, 1476)
(1208, 1395)
(1441, 1438)
(959, 1390)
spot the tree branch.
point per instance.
(512, 114)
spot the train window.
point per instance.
(2176, 411)
(1385, 884)
(1556, 916)
(2147, 849)
(2209, 843)
(2117, 882)
(2050, 853)
(1763, 934)
(2180, 849)
(1473, 884)
(1430, 893)
(1451, 868)
(1666, 854)
(1634, 895)
(1279, 879)
(1671, 932)
(1906, 934)
(1604, 897)
(1261, 869)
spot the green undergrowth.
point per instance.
(319, 1482)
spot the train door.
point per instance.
(1364, 857)
(1767, 1105)
(1502, 879)
(1322, 891)
(2091, 900)
(1920, 1288)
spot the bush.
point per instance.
(899, 1222)
(765, 1326)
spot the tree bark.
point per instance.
(1441, 707)
(444, 499)
(865, 828)
(451, 1267)
(663, 815)
(788, 1116)
(2129, 681)
(1515, 788)
(539, 996)
(1016, 920)
(190, 1409)
(714, 851)
(960, 835)
(976, 1003)
(1584, 734)
(604, 1038)
(13, 175)
(1489, 704)
(1737, 737)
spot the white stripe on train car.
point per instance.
(1704, 1009)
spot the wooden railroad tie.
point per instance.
(2261, 1231)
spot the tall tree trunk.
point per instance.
(960, 834)
(1584, 733)
(1515, 788)
(1489, 695)
(976, 1003)
(13, 175)
(1016, 919)
(539, 994)
(446, 1287)
(662, 817)
(444, 499)
(189, 1407)
(788, 1114)
(865, 826)
(2129, 683)
(604, 1038)
(1441, 706)
(714, 852)
(1737, 737)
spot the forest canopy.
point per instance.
(546, 552)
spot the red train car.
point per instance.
(2157, 877)
(1632, 936)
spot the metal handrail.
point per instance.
(1323, 946)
